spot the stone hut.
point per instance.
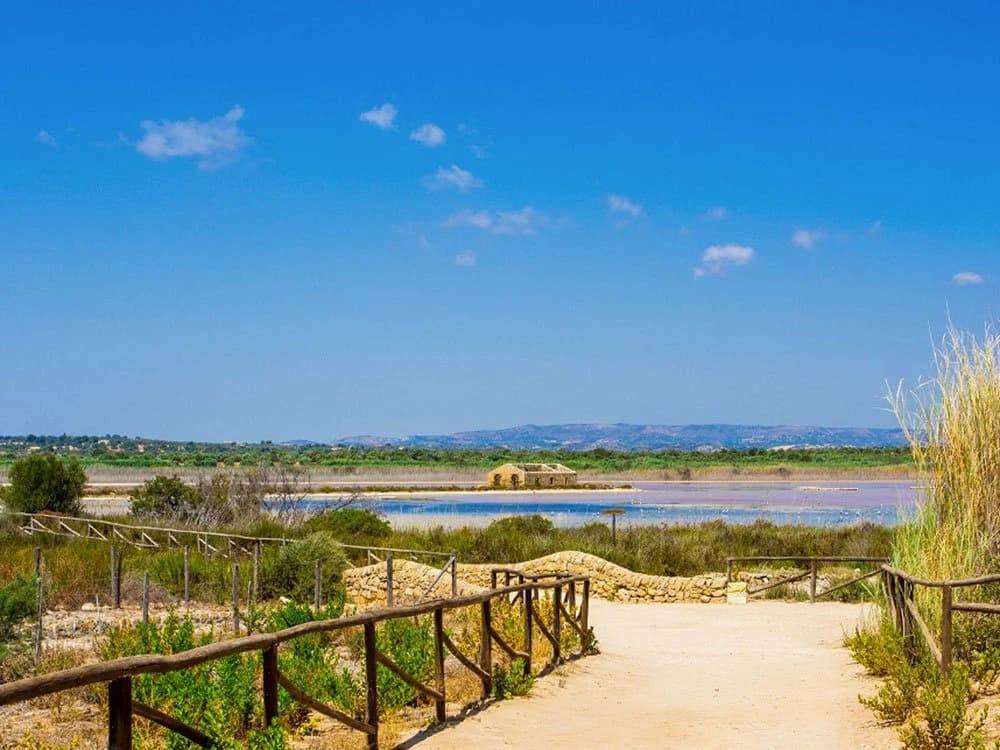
(513, 476)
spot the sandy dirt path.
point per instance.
(761, 676)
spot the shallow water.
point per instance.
(833, 504)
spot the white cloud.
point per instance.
(524, 223)
(468, 258)
(452, 177)
(469, 218)
(619, 204)
(968, 278)
(717, 258)
(381, 117)
(808, 238)
(46, 138)
(428, 134)
(717, 213)
(218, 141)
(478, 151)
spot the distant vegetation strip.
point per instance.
(116, 451)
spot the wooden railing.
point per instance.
(209, 543)
(118, 673)
(900, 588)
(811, 564)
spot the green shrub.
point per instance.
(943, 721)
(351, 525)
(877, 648)
(44, 482)
(900, 693)
(164, 497)
(511, 680)
(410, 644)
(17, 602)
(290, 572)
(221, 698)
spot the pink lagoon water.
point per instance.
(814, 503)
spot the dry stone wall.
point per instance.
(366, 586)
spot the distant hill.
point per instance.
(631, 437)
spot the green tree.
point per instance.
(164, 497)
(43, 482)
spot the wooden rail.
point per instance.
(900, 590)
(158, 537)
(811, 563)
(118, 673)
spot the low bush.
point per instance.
(351, 526)
(943, 720)
(18, 601)
(291, 572)
(511, 680)
(410, 644)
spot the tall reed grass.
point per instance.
(952, 422)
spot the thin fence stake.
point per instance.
(38, 625)
(388, 580)
(38, 561)
(454, 575)
(256, 571)
(145, 598)
(317, 586)
(116, 590)
(187, 576)
(236, 598)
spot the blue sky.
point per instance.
(239, 221)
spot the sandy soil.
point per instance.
(760, 676)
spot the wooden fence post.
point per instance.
(236, 598)
(145, 598)
(120, 714)
(909, 637)
(40, 605)
(946, 630)
(813, 573)
(729, 572)
(270, 655)
(187, 576)
(371, 684)
(317, 586)
(493, 579)
(439, 706)
(528, 605)
(585, 609)
(256, 571)
(454, 574)
(116, 589)
(557, 625)
(388, 580)
(38, 561)
(486, 647)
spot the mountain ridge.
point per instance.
(623, 436)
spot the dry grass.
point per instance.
(953, 424)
